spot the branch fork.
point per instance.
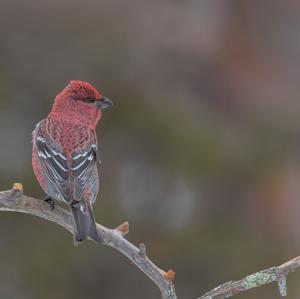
(254, 280)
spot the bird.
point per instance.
(65, 154)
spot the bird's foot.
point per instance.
(50, 201)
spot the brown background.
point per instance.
(200, 152)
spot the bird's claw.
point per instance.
(50, 201)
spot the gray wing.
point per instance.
(84, 173)
(55, 166)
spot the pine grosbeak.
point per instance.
(64, 155)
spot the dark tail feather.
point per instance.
(83, 221)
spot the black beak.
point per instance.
(104, 103)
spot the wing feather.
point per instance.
(55, 165)
(83, 166)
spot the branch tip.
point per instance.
(17, 187)
(170, 275)
(123, 228)
(281, 281)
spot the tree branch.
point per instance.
(14, 201)
(257, 279)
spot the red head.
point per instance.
(81, 101)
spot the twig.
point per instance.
(15, 201)
(255, 280)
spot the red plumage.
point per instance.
(64, 156)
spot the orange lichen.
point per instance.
(170, 275)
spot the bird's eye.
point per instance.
(91, 101)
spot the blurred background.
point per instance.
(200, 152)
